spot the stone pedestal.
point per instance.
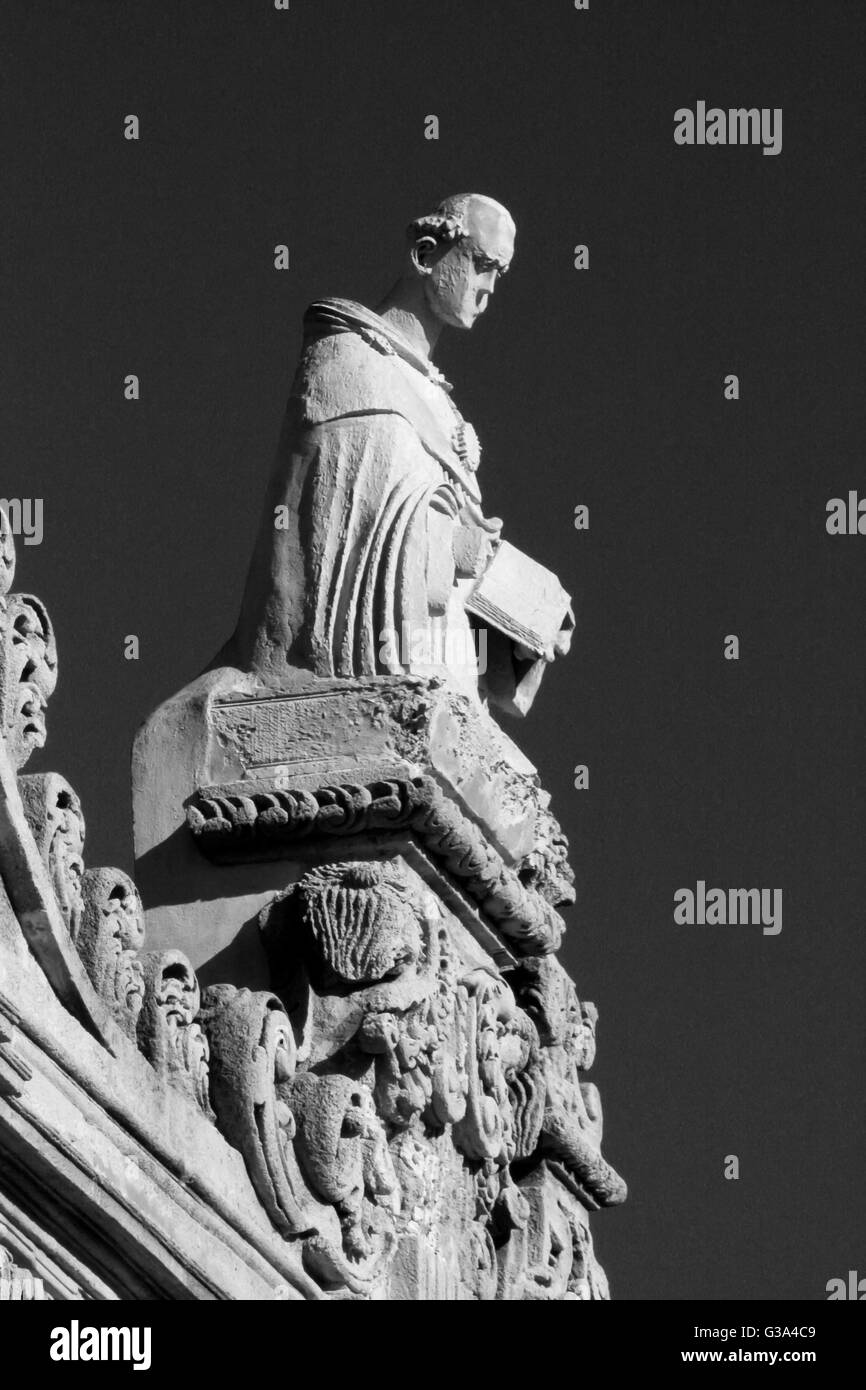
(372, 866)
(232, 763)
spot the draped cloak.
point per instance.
(371, 478)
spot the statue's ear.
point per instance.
(422, 252)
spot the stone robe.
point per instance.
(354, 570)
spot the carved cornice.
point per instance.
(230, 826)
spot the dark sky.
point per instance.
(602, 387)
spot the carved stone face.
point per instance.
(172, 998)
(464, 277)
(178, 993)
(7, 554)
(33, 645)
(120, 936)
(28, 730)
(126, 915)
(65, 858)
(29, 674)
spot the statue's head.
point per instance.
(460, 250)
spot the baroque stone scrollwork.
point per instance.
(109, 940)
(549, 1255)
(344, 1154)
(100, 906)
(28, 673)
(7, 554)
(253, 1058)
(55, 817)
(168, 1034)
(458, 1092)
(314, 1145)
(572, 1127)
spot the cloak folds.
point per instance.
(355, 549)
(372, 512)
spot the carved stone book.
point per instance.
(521, 599)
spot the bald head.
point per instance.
(459, 251)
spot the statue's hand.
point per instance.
(562, 644)
(471, 515)
(472, 548)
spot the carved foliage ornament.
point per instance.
(28, 659)
(414, 1057)
(109, 940)
(28, 673)
(314, 1146)
(168, 1032)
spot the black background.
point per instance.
(602, 387)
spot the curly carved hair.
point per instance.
(446, 225)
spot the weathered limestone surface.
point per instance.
(115, 1181)
(239, 763)
(333, 1054)
(330, 818)
(388, 919)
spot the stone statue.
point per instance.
(373, 540)
(359, 864)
